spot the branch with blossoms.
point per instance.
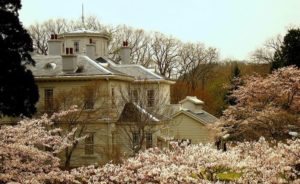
(247, 162)
(23, 160)
(28, 151)
(265, 107)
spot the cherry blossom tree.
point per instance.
(248, 162)
(266, 107)
(28, 155)
(28, 151)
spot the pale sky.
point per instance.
(235, 27)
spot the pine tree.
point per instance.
(235, 82)
(289, 53)
(18, 91)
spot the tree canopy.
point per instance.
(266, 107)
(18, 92)
(289, 52)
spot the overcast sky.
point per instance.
(235, 27)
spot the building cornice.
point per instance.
(82, 78)
(102, 35)
(164, 81)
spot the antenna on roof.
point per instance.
(82, 16)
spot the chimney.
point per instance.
(125, 53)
(91, 51)
(54, 45)
(69, 61)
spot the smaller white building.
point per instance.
(191, 122)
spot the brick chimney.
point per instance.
(125, 53)
(54, 45)
(69, 61)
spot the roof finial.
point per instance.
(82, 17)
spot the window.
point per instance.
(63, 48)
(89, 96)
(89, 102)
(48, 99)
(150, 98)
(89, 144)
(135, 138)
(149, 140)
(134, 96)
(112, 96)
(76, 46)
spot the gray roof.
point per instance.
(134, 70)
(204, 116)
(137, 71)
(192, 99)
(48, 66)
(52, 66)
(79, 32)
(132, 112)
(84, 31)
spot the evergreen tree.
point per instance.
(236, 72)
(289, 54)
(235, 82)
(18, 92)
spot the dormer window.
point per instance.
(76, 46)
(50, 66)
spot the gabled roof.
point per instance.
(202, 117)
(134, 113)
(192, 99)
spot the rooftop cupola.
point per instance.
(192, 103)
(92, 43)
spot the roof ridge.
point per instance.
(142, 67)
(94, 63)
(146, 112)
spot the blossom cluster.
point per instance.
(28, 155)
(248, 162)
(268, 107)
(28, 152)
